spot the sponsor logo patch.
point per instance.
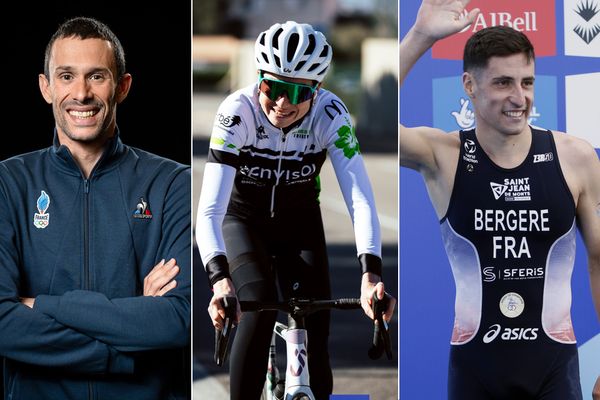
(498, 189)
(228, 121)
(260, 133)
(512, 305)
(491, 274)
(516, 189)
(546, 157)
(142, 210)
(510, 334)
(41, 219)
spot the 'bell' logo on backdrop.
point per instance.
(534, 18)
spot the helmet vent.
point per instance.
(292, 46)
(311, 45)
(300, 65)
(262, 38)
(313, 67)
(274, 43)
(264, 56)
(325, 51)
(277, 61)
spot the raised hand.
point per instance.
(438, 19)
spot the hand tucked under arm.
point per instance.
(161, 279)
(28, 301)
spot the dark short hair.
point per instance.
(495, 41)
(87, 28)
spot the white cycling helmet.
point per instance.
(293, 50)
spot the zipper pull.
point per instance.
(86, 186)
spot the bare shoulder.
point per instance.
(580, 165)
(577, 152)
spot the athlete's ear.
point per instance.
(123, 87)
(468, 84)
(45, 88)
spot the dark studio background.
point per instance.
(156, 115)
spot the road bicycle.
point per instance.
(296, 385)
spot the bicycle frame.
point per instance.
(296, 374)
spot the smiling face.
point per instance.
(281, 113)
(83, 89)
(502, 93)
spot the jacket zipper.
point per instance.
(86, 253)
(278, 173)
(86, 235)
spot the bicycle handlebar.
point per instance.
(302, 307)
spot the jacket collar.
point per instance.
(114, 151)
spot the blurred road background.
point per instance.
(364, 74)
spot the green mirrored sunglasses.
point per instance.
(296, 92)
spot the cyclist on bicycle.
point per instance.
(259, 223)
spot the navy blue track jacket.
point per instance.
(82, 248)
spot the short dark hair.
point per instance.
(87, 28)
(495, 41)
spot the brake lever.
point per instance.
(222, 335)
(381, 335)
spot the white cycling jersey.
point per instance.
(255, 169)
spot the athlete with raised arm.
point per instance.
(509, 197)
(259, 220)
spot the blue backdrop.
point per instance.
(429, 95)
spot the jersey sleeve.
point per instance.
(217, 184)
(344, 152)
(230, 130)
